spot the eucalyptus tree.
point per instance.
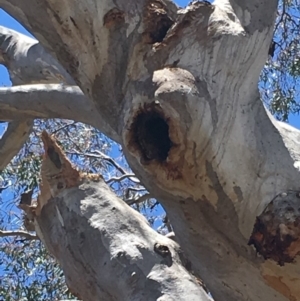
(178, 89)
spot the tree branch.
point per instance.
(131, 60)
(186, 104)
(252, 15)
(141, 199)
(120, 57)
(131, 177)
(28, 62)
(135, 189)
(21, 233)
(13, 139)
(101, 156)
(50, 101)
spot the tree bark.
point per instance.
(106, 249)
(50, 101)
(179, 88)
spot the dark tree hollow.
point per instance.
(151, 132)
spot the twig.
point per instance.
(111, 161)
(153, 206)
(141, 199)
(63, 127)
(168, 224)
(135, 189)
(282, 15)
(13, 140)
(101, 156)
(171, 235)
(18, 233)
(123, 177)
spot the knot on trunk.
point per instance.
(276, 233)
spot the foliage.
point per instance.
(280, 79)
(29, 272)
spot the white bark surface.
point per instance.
(179, 89)
(50, 101)
(106, 249)
(101, 256)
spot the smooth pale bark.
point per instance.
(101, 256)
(106, 249)
(27, 61)
(50, 101)
(20, 233)
(180, 90)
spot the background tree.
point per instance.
(279, 81)
(164, 143)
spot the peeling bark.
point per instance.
(181, 95)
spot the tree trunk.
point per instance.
(179, 89)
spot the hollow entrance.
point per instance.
(151, 132)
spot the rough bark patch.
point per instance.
(113, 17)
(276, 233)
(157, 22)
(196, 16)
